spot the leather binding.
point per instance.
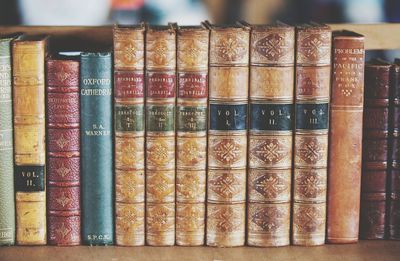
(29, 54)
(97, 148)
(313, 69)
(393, 185)
(227, 136)
(129, 134)
(63, 152)
(160, 135)
(345, 138)
(191, 114)
(271, 135)
(7, 203)
(375, 150)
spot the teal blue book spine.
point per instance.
(97, 149)
(7, 203)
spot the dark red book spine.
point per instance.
(375, 150)
(63, 152)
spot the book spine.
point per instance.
(96, 148)
(345, 143)
(191, 115)
(393, 185)
(160, 136)
(129, 136)
(375, 152)
(29, 141)
(313, 52)
(7, 203)
(63, 153)
(227, 136)
(271, 135)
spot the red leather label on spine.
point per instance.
(128, 84)
(63, 107)
(161, 85)
(193, 85)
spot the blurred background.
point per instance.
(100, 12)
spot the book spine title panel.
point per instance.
(29, 140)
(312, 93)
(63, 152)
(191, 114)
(129, 135)
(271, 136)
(227, 136)
(160, 136)
(97, 149)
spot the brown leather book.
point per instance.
(271, 134)
(160, 135)
(191, 128)
(129, 134)
(227, 136)
(29, 139)
(393, 185)
(345, 137)
(313, 69)
(63, 151)
(375, 150)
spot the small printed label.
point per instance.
(160, 117)
(276, 117)
(161, 85)
(128, 84)
(228, 117)
(129, 117)
(29, 178)
(192, 118)
(312, 116)
(6, 139)
(193, 85)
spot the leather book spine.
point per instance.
(271, 135)
(227, 136)
(160, 135)
(7, 203)
(191, 115)
(97, 148)
(393, 185)
(345, 138)
(63, 153)
(29, 140)
(129, 135)
(375, 151)
(313, 69)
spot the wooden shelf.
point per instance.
(364, 250)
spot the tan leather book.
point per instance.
(227, 136)
(160, 135)
(191, 128)
(313, 70)
(129, 134)
(345, 137)
(29, 140)
(271, 134)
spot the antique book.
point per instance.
(191, 129)
(28, 67)
(270, 135)
(227, 136)
(160, 135)
(63, 151)
(313, 69)
(375, 150)
(97, 148)
(7, 203)
(129, 134)
(345, 137)
(393, 185)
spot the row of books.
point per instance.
(196, 135)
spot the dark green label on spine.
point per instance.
(29, 178)
(312, 116)
(191, 118)
(160, 117)
(129, 117)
